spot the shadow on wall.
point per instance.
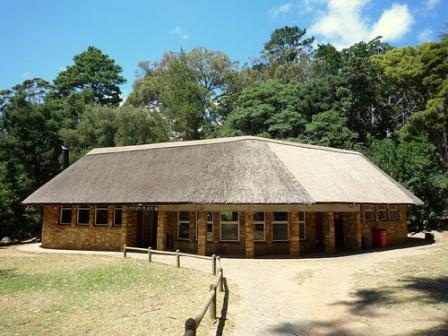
(425, 290)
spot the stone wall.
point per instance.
(396, 231)
(86, 237)
(319, 233)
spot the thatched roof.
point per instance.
(239, 170)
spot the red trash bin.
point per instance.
(379, 238)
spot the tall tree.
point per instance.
(29, 152)
(94, 75)
(183, 99)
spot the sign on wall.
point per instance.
(141, 207)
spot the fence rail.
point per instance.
(192, 323)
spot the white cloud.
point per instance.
(282, 9)
(425, 35)
(393, 23)
(179, 32)
(343, 23)
(26, 75)
(431, 4)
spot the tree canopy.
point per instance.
(390, 103)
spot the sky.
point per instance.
(40, 38)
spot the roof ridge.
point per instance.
(119, 149)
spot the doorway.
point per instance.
(339, 231)
(146, 228)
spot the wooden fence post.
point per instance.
(214, 264)
(124, 251)
(177, 259)
(212, 308)
(190, 327)
(149, 254)
(221, 282)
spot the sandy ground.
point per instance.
(306, 296)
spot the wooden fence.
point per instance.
(192, 323)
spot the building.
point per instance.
(243, 195)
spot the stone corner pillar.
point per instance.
(330, 240)
(162, 228)
(249, 223)
(294, 236)
(202, 233)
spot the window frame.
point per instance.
(115, 215)
(304, 226)
(394, 208)
(61, 209)
(232, 222)
(101, 207)
(182, 221)
(259, 222)
(382, 208)
(84, 207)
(208, 223)
(278, 222)
(370, 209)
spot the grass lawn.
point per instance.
(55, 294)
(413, 290)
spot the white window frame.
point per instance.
(115, 217)
(258, 222)
(65, 207)
(274, 222)
(183, 221)
(304, 226)
(208, 222)
(237, 222)
(103, 207)
(77, 215)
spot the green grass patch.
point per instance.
(94, 295)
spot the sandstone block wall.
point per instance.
(88, 237)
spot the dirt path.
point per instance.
(307, 296)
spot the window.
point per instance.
(209, 226)
(118, 215)
(66, 215)
(101, 215)
(302, 226)
(382, 212)
(369, 213)
(394, 213)
(183, 225)
(280, 226)
(230, 226)
(259, 225)
(83, 214)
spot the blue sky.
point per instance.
(39, 38)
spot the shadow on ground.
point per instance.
(425, 290)
(224, 309)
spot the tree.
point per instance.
(330, 129)
(93, 75)
(29, 153)
(138, 126)
(362, 92)
(418, 78)
(417, 165)
(288, 45)
(183, 99)
(268, 108)
(104, 126)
